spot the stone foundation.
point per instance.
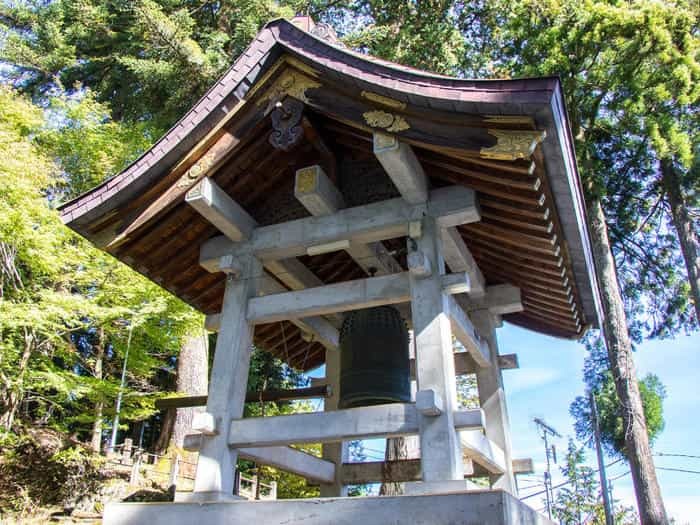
(492, 507)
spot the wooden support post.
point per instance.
(493, 400)
(441, 455)
(336, 452)
(214, 480)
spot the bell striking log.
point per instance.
(374, 359)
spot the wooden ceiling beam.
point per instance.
(421, 129)
(520, 182)
(523, 242)
(485, 254)
(527, 210)
(202, 161)
(520, 225)
(524, 282)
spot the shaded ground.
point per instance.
(48, 477)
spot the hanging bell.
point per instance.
(374, 359)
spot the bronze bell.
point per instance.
(374, 360)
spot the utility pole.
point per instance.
(547, 430)
(604, 488)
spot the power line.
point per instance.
(679, 470)
(569, 482)
(662, 454)
(619, 476)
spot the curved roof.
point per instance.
(533, 231)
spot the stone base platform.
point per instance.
(489, 507)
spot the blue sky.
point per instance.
(550, 377)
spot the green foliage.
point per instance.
(630, 74)
(148, 60)
(66, 305)
(576, 502)
(612, 428)
(579, 501)
(89, 146)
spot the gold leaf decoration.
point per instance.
(512, 145)
(289, 83)
(388, 121)
(196, 170)
(306, 179)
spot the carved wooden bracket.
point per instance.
(286, 124)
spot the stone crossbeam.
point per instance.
(464, 331)
(483, 451)
(365, 224)
(283, 457)
(292, 460)
(341, 297)
(319, 196)
(397, 419)
(222, 211)
(458, 257)
(402, 166)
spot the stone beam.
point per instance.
(342, 297)
(402, 166)
(373, 222)
(322, 330)
(222, 211)
(397, 419)
(466, 334)
(458, 257)
(292, 460)
(380, 471)
(523, 466)
(464, 364)
(499, 299)
(284, 458)
(319, 196)
(481, 450)
(316, 191)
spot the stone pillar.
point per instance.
(335, 452)
(214, 480)
(440, 449)
(492, 399)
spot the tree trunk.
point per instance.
(396, 449)
(96, 440)
(15, 393)
(192, 379)
(684, 228)
(649, 501)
